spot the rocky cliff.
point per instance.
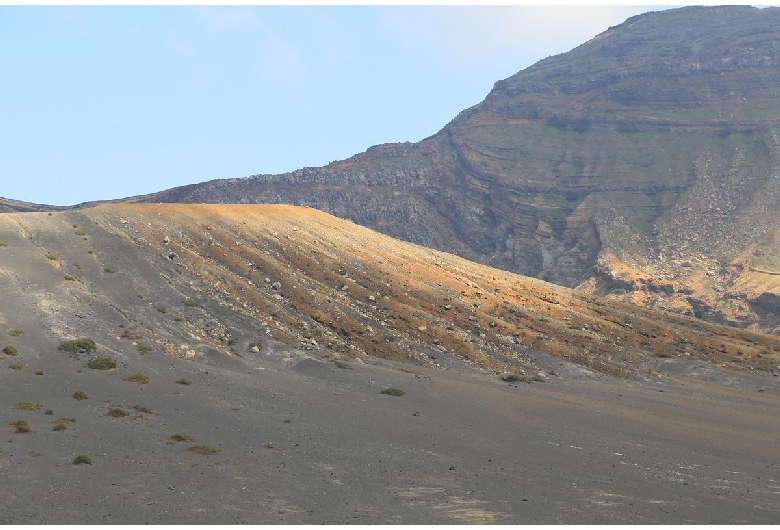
(639, 165)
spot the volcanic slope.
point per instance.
(641, 165)
(253, 345)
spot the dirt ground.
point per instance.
(305, 434)
(304, 441)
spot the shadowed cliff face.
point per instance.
(650, 151)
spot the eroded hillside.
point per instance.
(637, 166)
(190, 279)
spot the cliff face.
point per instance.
(639, 165)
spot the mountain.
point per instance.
(177, 364)
(642, 165)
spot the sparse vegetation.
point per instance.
(11, 350)
(16, 366)
(109, 270)
(183, 437)
(160, 309)
(232, 341)
(22, 426)
(69, 278)
(102, 363)
(116, 412)
(182, 381)
(341, 364)
(50, 256)
(141, 408)
(28, 405)
(513, 378)
(16, 332)
(3, 244)
(62, 423)
(393, 392)
(82, 459)
(78, 346)
(204, 450)
(80, 395)
(189, 302)
(39, 372)
(143, 349)
(80, 233)
(137, 377)
(128, 334)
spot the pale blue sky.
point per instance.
(109, 102)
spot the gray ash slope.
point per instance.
(303, 439)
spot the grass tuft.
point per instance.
(189, 302)
(341, 364)
(11, 350)
(78, 346)
(16, 366)
(204, 450)
(22, 426)
(137, 378)
(28, 405)
(80, 395)
(182, 381)
(16, 332)
(102, 363)
(82, 459)
(183, 437)
(393, 392)
(116, 412)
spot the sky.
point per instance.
(107, 102)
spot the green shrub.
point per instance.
(28, 405)
(69, 278)
(232, 341)
(341, 364)
(3, 244)
(116, 412)
(62, 423)
(143, 349)
(80, 233)
(189, 302)
(160, 309)
(109, 270)
(80, 395)
(393, 392)
(11, 350)
(16, 332)
(204, 450)
(21, 426)
(141, 408)
(16, 366)
(137, 378)
(182, 381)
(82, 459)
(183, 437)
(102, 363)
(78, 346)
(51, 256)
